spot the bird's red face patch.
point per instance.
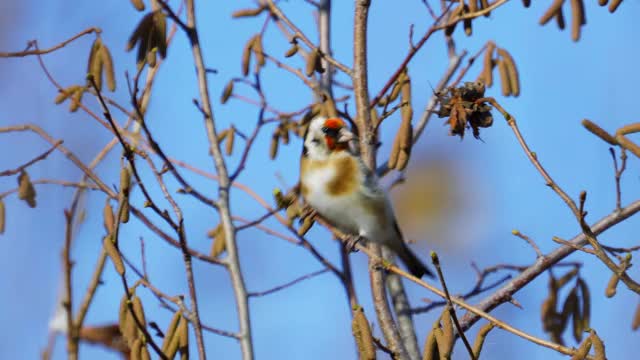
(331, 129)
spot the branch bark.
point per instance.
(367, 134)
(235, 272)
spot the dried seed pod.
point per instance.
(635, 323)
(3, 215)
(230, 140)
(222, 135)
(431, 351)
(586, 303)
(479, 341)
(76, 100)
(551, 12)
(183, 340)
(448, 31)
(488, 63)
(473, 5)
(144, 353)
(170, 333)
(293, 211)
(577, 323)
(127, 325)
(514, 79)
(124, 212)
(599, 132)
(125, 181)
(485, 4)
(172, 345)
(107, 62)
(273, 147)
(564, 279)
(598, 346)
(583, 350)
(135, 349)
(548, 308)
(64, 94)
(577, 18)
(248, 12)
(114, 254)
(284, 134)
(405, 142)
(466, 23)
(613, 5)
(569, 306)
(259, 51)
(362, 334)
(94, 66)
(292, 51)
(219, 242)
(526, 3)
(610, 291)
(109, 221)
(393, 156)
(307, 223)
(560, 19)
(226, 93)
(312, 60)
(397, 87)
(138, 4)
(505, 83)
(138, 310)
(602, 2)
(448, 335)
(26, 191)
(159, 33)
(151, 59)
(246, 55)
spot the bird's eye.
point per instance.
(315, 141)
(330, 131)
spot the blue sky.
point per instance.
(495, 188)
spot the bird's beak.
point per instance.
(344, 136)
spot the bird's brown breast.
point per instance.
(345, 178)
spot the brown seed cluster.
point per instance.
(576, 307)
(151, 38)
(460, 105)
(100, 62)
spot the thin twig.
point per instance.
(452, 311)
(529, 241)
(275, 10)
(31, 162)
(287, 284)
(49, 50)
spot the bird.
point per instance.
(337, 184)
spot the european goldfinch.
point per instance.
(337, 184)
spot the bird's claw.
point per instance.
(350, 245)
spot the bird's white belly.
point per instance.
(345, 212)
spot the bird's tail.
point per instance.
(416, 267)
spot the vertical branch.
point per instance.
(72, 331)
(401, 308)
(237, 280)
(367, 135)
(324, 29)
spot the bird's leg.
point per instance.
(352, 240)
